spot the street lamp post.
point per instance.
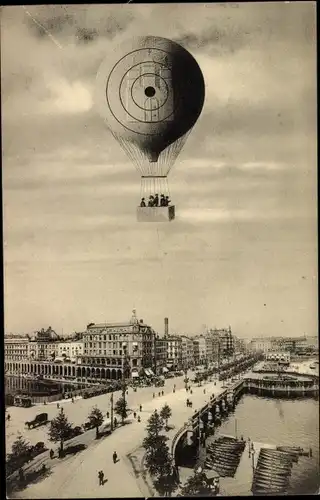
(111, 401)
(124, 368)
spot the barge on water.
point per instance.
(273, 470)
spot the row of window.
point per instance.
(133, 337)
(106, 352)
(15, 346)
(106, 361)
(113, 345)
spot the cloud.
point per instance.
(244, 184)
(68, 98)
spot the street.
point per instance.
(78, 476)
(78, 411)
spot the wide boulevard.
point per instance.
(76, 476)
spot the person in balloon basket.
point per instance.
(156, 200)
(142, 203)
(167, 201)
(150, 202)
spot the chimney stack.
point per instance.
(166, 327)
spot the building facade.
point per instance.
(309, 345)
(109, 346)
(160, 355)
(202, 349)
(103, 352)
(186, 352)
(239, 345)
(70, 350)
(174, 352)
(196, 352)
(44, 345)
(209, 348)
(222, 342)
(16, 347)
(277, 344)
(260, 344)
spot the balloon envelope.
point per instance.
(150, 92)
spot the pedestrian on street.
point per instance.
(108, 414)
(115, 421)
(159, 394)
(153, 395)
(134, 415)
(100, 476)
(174, 390)
(51, 453)
(140, 407)
(114, 457)
(58, 406)
(8, 417)
(204, 391)
(72, 399)
(139, 419)
(191, 391)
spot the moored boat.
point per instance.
(276, 472)
(275, 463)
(278, 454)
(270, 476)
(270, 482)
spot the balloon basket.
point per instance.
(155, 214)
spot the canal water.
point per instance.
(292, 422)
(32, 387)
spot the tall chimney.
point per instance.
(166, 327)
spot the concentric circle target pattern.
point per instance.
(139, 91)
(150, 92)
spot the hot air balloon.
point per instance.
(150, 93)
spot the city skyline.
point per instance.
(243, 248)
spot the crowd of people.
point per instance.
(154, 201)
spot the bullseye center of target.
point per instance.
(149, 91)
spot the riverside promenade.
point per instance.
(76, 477)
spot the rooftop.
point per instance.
(127, 324)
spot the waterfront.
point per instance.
(32, 386)
(272, 421)
(277, 422)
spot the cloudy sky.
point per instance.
(243, 248)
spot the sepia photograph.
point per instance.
(160, 250)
